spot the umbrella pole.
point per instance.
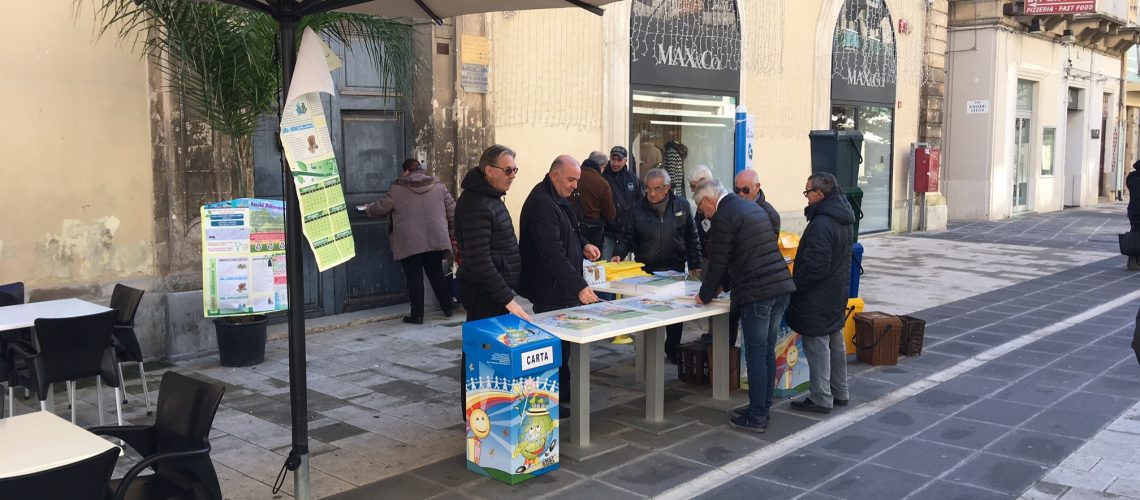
(298, 460)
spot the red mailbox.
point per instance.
(926, 167)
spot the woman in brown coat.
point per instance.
(423, 220)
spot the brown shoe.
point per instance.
(1133, 263)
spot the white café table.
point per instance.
(581, 446)
(25, 316)
(41, 441)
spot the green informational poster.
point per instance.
(305, 138)
(243, 257)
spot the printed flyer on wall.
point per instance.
(243, 257)
(305, 136)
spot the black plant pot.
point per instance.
(241, 341)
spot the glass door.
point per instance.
(877, 125)
(1022, 139)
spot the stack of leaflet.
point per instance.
(617, 271)
(651, 284)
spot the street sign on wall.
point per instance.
(1059, 6)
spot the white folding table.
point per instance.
(41, 441)
(25, 316)
(581, 445)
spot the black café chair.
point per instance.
(125, 301)
(11, 294)
(176, 447)
(83, 480)
(69, 349)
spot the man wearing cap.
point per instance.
(626, 189)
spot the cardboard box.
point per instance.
(512, 398)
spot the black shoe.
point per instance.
(672, 356)
(563, 412)
(840, 402)
(448, 311)
(806, 404)
(414, 321)
(740, 411)
(743, 422)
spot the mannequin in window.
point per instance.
(674, 163)
(649, 152)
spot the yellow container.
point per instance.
(854, 306)
(789, 243)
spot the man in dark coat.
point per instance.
(552, 251)
(1132, 182)
(823, 272)
(626, 189)
(593, 203)
(745, 259)
(662, 235)
(485, 240)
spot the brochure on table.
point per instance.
(243, 257)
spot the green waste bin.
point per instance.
(854, 196)
(837, 152)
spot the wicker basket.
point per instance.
(910, 342)
(877, 338)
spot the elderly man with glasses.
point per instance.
(746, 260)
(661, 233)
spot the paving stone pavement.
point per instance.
(1106, 466)
(384, 418)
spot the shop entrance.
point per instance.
(677, 132)
(863, 76)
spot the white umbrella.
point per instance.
(287, 13)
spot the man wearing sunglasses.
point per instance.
(816, 312)
(747, 186)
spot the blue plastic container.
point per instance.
(856, 269)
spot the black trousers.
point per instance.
(429, 263)
(673, 339)
(564, 372)
(478, 306)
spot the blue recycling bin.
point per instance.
(512, 398)
(856, 269)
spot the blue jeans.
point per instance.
(760, 324)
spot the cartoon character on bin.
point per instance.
(480, 425)
(534, 434)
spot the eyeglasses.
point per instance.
(507, 170)
(745, 190)
(810, 190)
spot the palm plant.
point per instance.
(223, 60)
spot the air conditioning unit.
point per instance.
(1076, 99)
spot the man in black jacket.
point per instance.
(552, 251)
(1132, 182)
(745, 258)
(817, 311)
(486, 240)
(662, 234)
(626, 191)
(747, 186)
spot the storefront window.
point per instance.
(875, 122)
(677, 132)
(1048, 148)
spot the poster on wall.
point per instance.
(475, 59)
(1038, 7)
(243, 257)
(309, 150)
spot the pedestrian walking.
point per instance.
(744, 258)
(817, 310)
(1133, 184)
(662, 234)
(423, 220)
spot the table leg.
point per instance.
(720, 366)
(639, 358)
(655, 420)
(581, 446)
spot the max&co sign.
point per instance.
(688, 44)
(688, 57)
